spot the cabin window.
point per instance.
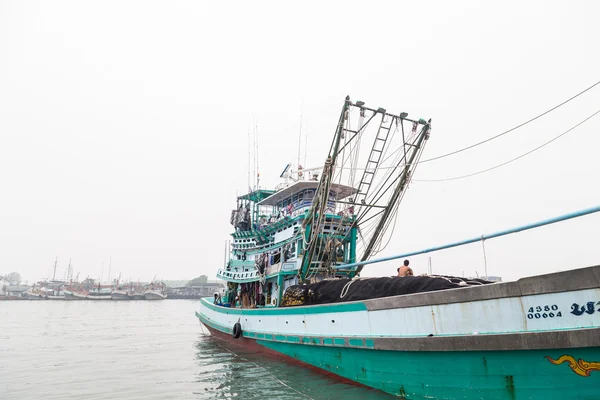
(276, 257)
(309, 194)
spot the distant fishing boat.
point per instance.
(47, 290)
(293, 287)
(156, 291)
(53, 296)
(36, 294)
(136, 296)
(119, 294)
(136, 291)
(100, 293)
(74, 294)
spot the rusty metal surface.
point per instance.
(517, 341)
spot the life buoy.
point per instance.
(237, 330)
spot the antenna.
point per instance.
(257, 170)
(249, 158)
(300, 135)
(430, 269)
(254, 153)
(305, 145)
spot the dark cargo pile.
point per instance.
(341, 290)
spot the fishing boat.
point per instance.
(36, 293)
(136, 296)
(100, 293)
(118, 293)
(71, 293)
(294, 286)
(48, 290)
(156, 291)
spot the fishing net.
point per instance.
(342, 290)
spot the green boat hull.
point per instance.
(490, 375)
(486, 375)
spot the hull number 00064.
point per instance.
(544, 312)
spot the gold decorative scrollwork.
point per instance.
(580, 367)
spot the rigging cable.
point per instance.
(511, 160)
(512, 129)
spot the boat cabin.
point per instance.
(266, 253)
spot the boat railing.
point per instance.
(249, 276)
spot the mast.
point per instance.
(317, 211)
(392, 202)
(55, 264)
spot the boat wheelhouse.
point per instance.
(267, 245)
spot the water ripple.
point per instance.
(140, 350)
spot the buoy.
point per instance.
(237, 330)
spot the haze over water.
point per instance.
(140, 350)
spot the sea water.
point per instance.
(140, 350)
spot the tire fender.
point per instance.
(237, 330)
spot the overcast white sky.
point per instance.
(123, 124)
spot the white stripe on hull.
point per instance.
(545, 312)
(154, 295)
(119, 295)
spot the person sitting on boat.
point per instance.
(405, 270)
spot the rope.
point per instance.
(346, 287)
(513, 159)
(512, 129)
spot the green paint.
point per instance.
(455, 375)
(204, 319)
(280, 286)
(241, 263)
(510, 386)
(353, 232)
(305, 260)
(300, 310)
(353, 235)
(493, 375)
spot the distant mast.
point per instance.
(55, 264)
